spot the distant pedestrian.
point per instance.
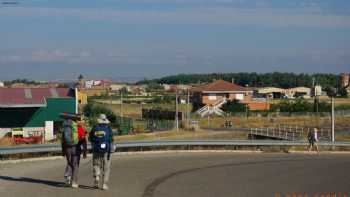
(74, 143)
(101, 138)
(313, 139)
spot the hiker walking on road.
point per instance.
(313, 138)
(73, 139)
(101, 138)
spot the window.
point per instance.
(212, 97)
(239, 96)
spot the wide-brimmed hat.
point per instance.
(102, 119)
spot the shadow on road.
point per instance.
(40, 181)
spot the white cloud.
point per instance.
(201, 15)
(44, 56)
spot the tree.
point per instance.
(301, 105)
(124, 91)
(92, 111)
(154, 87)
(275, 79)
(343, 93)
(331, 91)
(81, 77)
(234, 106)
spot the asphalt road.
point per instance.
(188, 174)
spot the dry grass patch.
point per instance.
(6, 141)
(184, 135)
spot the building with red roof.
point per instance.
(220, 91)
(31, 97)
(33, 109)
(211, 93)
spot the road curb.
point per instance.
(31, 160)
(321, 152)
(15, 161)
(186, 151)
(174, 151)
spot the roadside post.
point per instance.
(177, 112)
(333, 137)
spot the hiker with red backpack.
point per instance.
(101, 138)
(73, 144)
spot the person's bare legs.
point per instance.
(318, 152)
(309, 147)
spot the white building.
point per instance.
(2, 84)
(317, 91)
(118, 86)
(273, 92)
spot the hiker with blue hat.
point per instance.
(101, 138)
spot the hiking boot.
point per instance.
(96, 183)
(68, 180)
(105, 187)
(75, 185)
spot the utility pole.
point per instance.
(110, 96)
(246, 110)
(333, 120)
(141, 109)
(121, 106)
(177, 112)
(188, 109)
(208, 120)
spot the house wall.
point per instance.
(208, 99)
(95, 91)
(257, 106)
(82, 98)
(199, 100)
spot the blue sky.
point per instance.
(45, 39)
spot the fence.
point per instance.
(289, 133)
(166, 143)
(124, 124)
(288, 114)
(160, 125)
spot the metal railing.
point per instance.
(168, 143)
(290, 133)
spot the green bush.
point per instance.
(154, 87)
(164, 99)
(234, 106)
(92, 111)
(301, 105)
(342, 107)
(343, 93)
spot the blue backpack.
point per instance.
(101, 138)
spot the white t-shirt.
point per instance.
(315, 135)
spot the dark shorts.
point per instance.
(311, 142)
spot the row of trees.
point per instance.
(276, 79)
(24, 81)
(329, 82)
